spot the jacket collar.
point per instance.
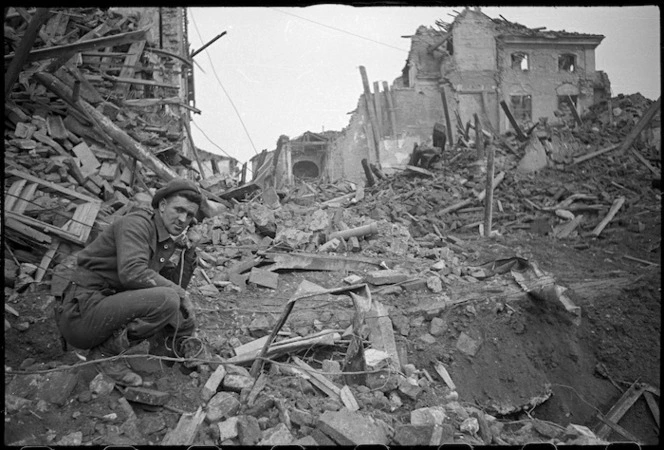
(162, 234)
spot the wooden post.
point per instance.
(390, 109)
(243, 178)
(367, 172)
(379, 109)
(448, 122)
(488, 201)
(21, 56)
(479, 137)
(575, 113)
(289, 166)
(371, 112)
(510, 117)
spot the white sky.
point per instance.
(292, 70)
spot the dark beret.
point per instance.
(174, 186)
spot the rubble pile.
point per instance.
(385, 290)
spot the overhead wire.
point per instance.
(342, 31)
(193, 20)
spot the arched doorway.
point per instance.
(305, 169)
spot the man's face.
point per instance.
(177, 213)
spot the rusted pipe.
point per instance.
(364, 230)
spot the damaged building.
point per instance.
(466, 68)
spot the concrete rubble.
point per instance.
(339, 375)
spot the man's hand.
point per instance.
(188, 306)
(189, 239)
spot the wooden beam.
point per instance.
(575, 113)
(488, 202)
(652, 404)
(641, 125)
(372, 112)
(510, 117)
(22, 54)
(618, 410)
(55, 52)
(379, 109)
(390, 108)
(133, 55)
(446, 112)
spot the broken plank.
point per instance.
(14, 193)
(618, 429)
(348, 399)
(593, 154)
(617, 204)
(26, 230)
(55, 52)
(445, 375)
(319, 380)
(140, 82)
(185, 431)
(652, 404)
(620, 408)
(381, 332)
(645, 162)
(256, 389)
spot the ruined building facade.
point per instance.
(477, 62)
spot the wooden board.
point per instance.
(21, 192)
(619, 409)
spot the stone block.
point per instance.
(434, 415)
(302, 418)
(380, 277)
(409, 388)
(413, 434)
(437, 327)
(236, 383)
(221, 405)
(467, 345)
(351, 428)
(428, 339)
(147, 396)
(57, 387)
(264, 278)
(249, 432)
(211, 385)
(228, 429)
(415, 285)
(279, 435)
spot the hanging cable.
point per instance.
(224, 89)
(341, 31)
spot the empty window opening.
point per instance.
(567, 62)
(564, 102)
(520, 61)
(305, 169)
(522, 108)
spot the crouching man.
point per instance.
(126, 290)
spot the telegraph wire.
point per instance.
(342, 31)
(193, 20)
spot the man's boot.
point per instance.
(118, 369)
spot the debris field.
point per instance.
(346, 314)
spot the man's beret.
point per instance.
(173, 187)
